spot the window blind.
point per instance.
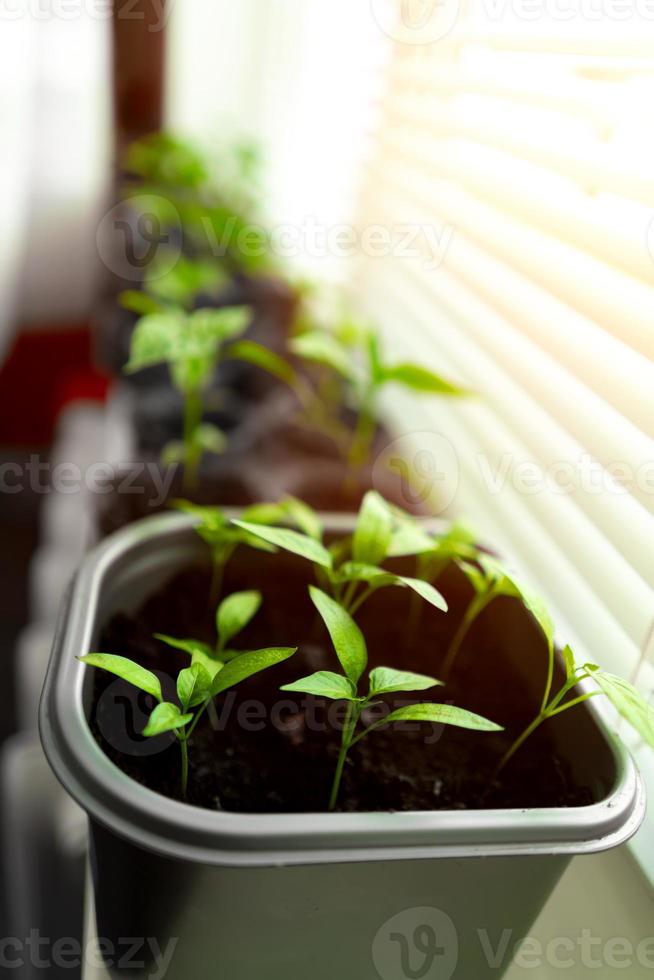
(524, 152)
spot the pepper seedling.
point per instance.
(223, 537)
(190, 343)
(351, 568)
(354, 353)
(491, 580)
(214, 199)
(212, 671)
(624, 697)
(180, 286)
(350, 647)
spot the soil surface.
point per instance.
(267, 751)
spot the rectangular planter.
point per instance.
(360, 896)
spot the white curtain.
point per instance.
(55, 131)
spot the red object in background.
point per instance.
(44, 372)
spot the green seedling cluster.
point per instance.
(348, 572)
(214, 197)
(207, 206)
(353, 352)
(212, 671)
(192, 345)
(351, 568)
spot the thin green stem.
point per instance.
(365, 430)
(217, 575)
(350, 593)
(356, 605)
(550, 678)
(194, 723)
(192, 454)
(427, 574)
(529, 730)
(183, 744)
(573, 704)
(565, 690)
(474, 610)
(349, 725)
(550, 712)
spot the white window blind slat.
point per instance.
(618, 514)
(618, 236)
(509, 521)
(605, 433)
(619, 304)
(592, 162)
(522, 444)
(525, 151)
(573, 340)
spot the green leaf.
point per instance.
(628, 702)
(210, 439)
(420, 379)
(379, 578)
(209, 325)
(372, 535)
(261, 357)
(458, 543)
(234, 613)
(353, 571)
(193, 685)
(165, 160)
(173, 453)
(154, 340)
(182, 283)
(324, 684)
(166, 717)
(475, 576)
(200, 653)
(410, 539)
(504, 583)
(569, 663)
(247, 664)
(441, 714)
(459, 535)
(348, 640)
(127, 670)
(539, 611)
(304, 517)
(137, 302)
(209, 516)
(290, 510)
(424, 590)
(293, 541)
(375, 357)
(217, 530)
(322, 348)
(190, 373)
(386, 680)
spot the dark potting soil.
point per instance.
(267, 751)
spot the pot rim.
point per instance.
(179, 830)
